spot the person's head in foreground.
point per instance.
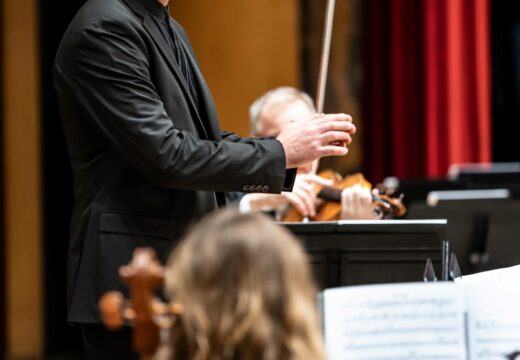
(247, 292)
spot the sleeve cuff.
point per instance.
(244, 206)
(290, 176)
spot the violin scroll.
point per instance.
(390, 206)
(145, 312)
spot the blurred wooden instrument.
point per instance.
(144, 312)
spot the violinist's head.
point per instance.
(247, 292)
(269, 113)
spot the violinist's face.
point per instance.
(271, 122)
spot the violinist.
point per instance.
(268, 114)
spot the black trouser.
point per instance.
(103, 344)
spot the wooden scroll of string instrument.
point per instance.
(144, 311)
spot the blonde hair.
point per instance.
(247, 292)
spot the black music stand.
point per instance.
(505, 175)
(369, 252)
(483, 233)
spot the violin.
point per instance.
(330, 209)
(145, 312)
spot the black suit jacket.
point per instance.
(146, 161)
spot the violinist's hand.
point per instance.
(302, 197)
(323, 135)
(357, 204)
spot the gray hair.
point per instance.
(274, 99)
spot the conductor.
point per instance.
(146, 149)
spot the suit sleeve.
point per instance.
(115, 91)
(290, 174)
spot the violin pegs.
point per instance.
(111, 308)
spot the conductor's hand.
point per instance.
(323, 135)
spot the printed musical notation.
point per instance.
(493, 315)
(398, 321)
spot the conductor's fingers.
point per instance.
(336, 136)
(332, 150)
(333, 117)
(335, 125)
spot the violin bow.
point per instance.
(325, 55)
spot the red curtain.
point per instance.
(427, 98)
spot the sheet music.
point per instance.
(493, 302)
(395, 321)
(507, 274)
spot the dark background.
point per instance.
(62, 341)
(506, 78)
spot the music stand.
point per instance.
(483, 233)
(368, 252)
